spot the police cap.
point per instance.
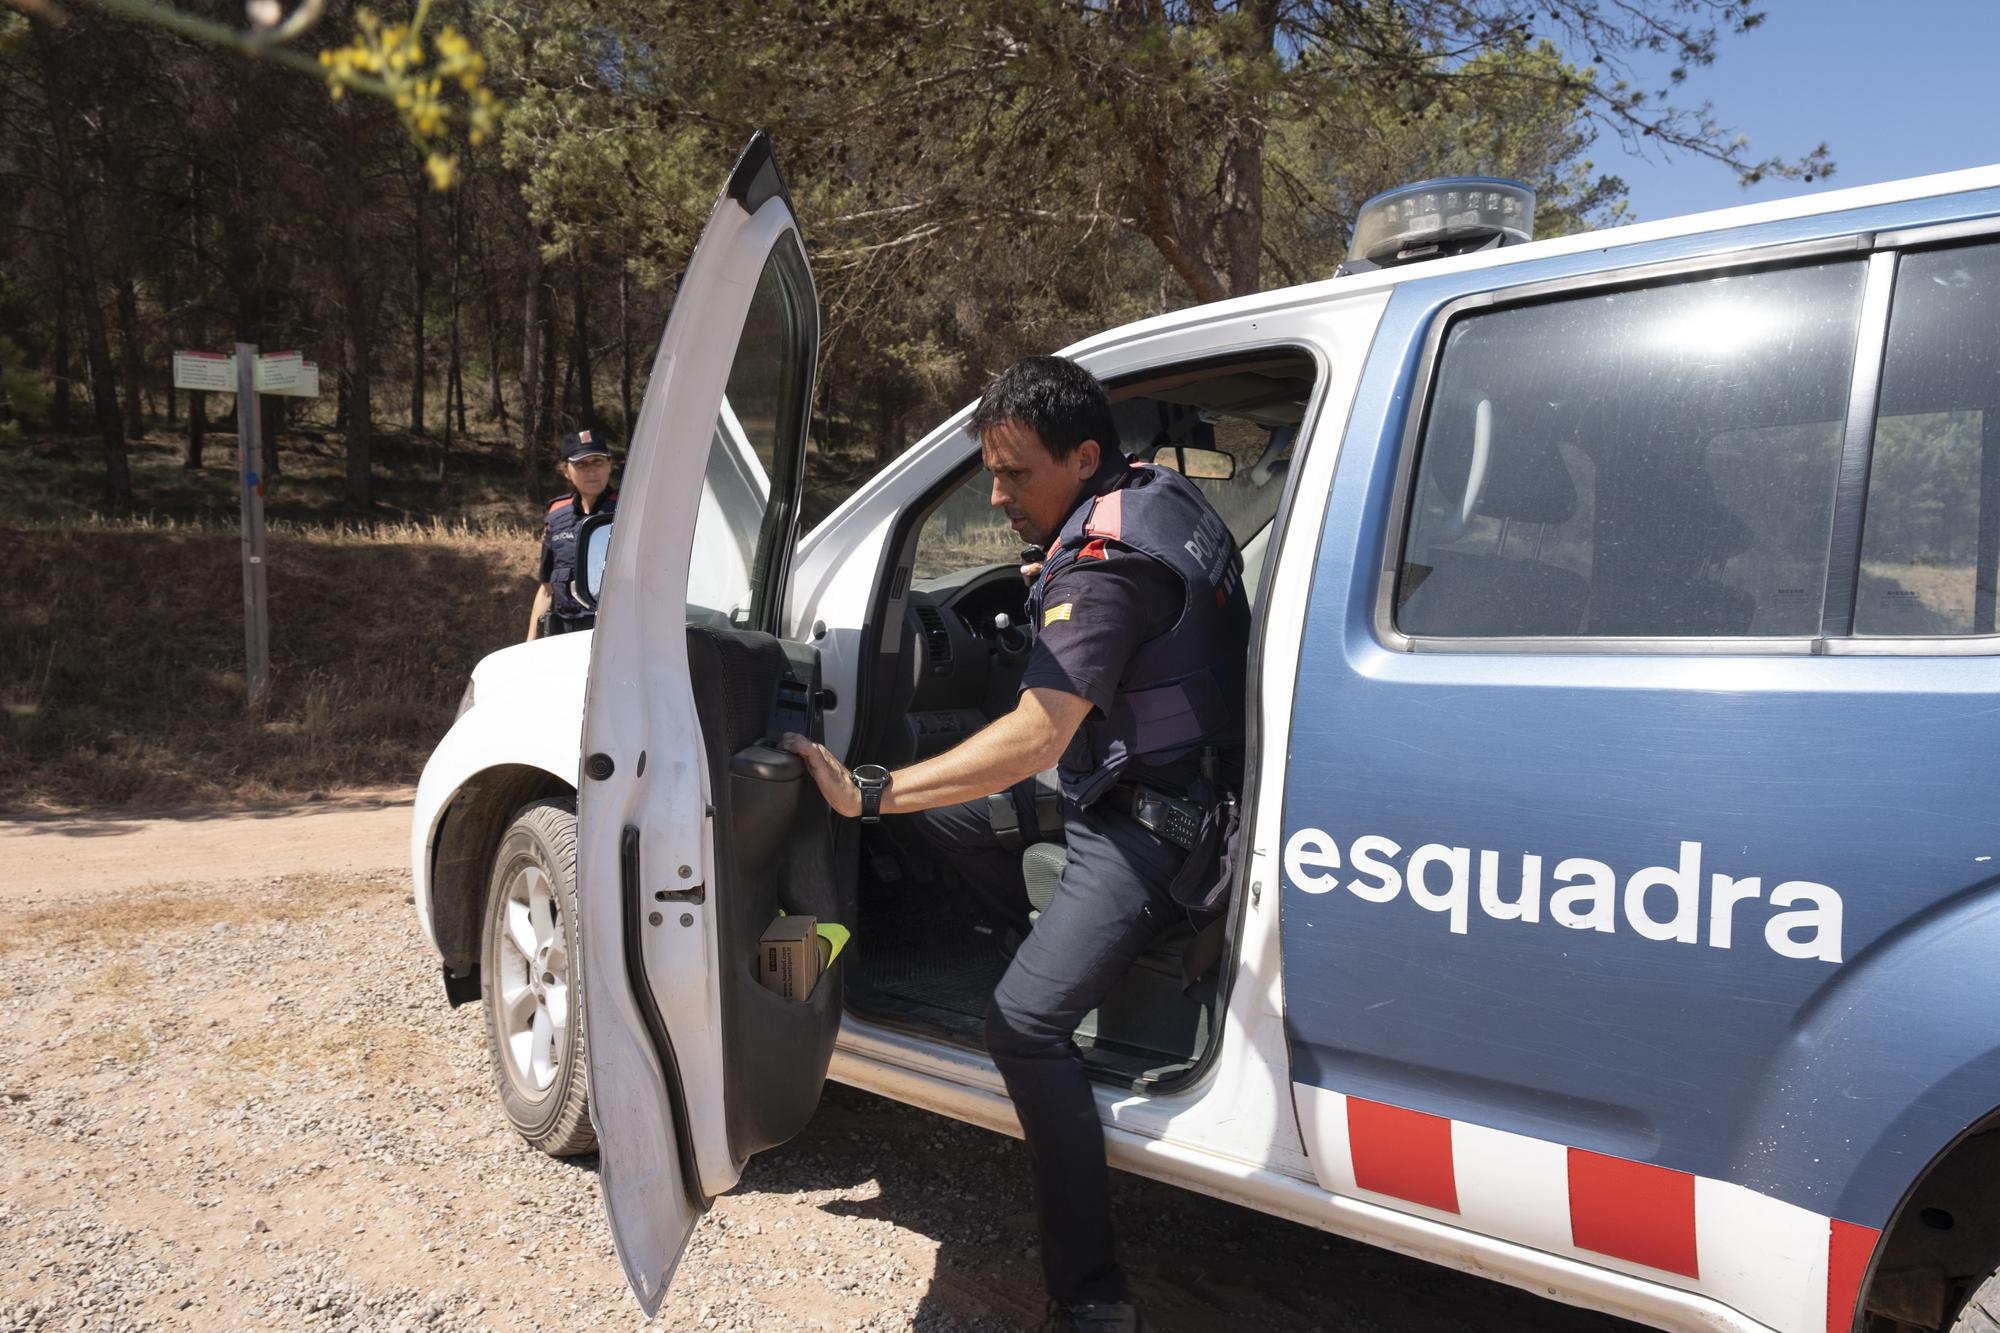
(583, 444)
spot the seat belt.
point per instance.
(1005, 819)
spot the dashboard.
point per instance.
(962, 667)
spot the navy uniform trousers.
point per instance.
(1111, 904)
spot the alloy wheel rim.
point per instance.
(534, 979)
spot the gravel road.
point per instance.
(245, 1103)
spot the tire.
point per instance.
(529, 964)
(1982, 1309)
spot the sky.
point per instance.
(1894, 89)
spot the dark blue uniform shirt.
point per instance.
(559, 554)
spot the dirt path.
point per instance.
(244, 1103)
(355, 833)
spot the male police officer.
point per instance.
(1134, 693)
(586, 465)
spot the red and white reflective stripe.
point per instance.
(1782, 1265)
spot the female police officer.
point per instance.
(586, 465)
(1134, 692)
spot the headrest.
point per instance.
(1525, 479)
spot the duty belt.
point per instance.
(1174, 818)
(556, 623)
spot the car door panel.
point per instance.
(688, 822)
(1710, 1052)
(774, 853)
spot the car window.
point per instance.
(964, 530)
(1931, 542)
(1249, 412)
(1638, 463)
(738, 529)
(1246, 499)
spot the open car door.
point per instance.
(694, 833)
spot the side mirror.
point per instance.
(593, 542)
(1199, 464)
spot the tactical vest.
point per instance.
(1183, 690)
(559, 527)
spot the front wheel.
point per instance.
(529, 981)
(1982, 1309)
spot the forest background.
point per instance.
(975, 180)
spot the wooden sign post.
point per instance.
(249, 457)
(246, 375)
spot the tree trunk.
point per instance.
(59, 412)
(545, 335)
(568, 397)
(531, 369)
(492, 303)
(273, 426)
(197, 325)
(83, 265)
(586, 399)
(168, 291)
(625, 345)
(417, 309)
(1237, 227)
(197, 428)
(455, 394)
(129, 356)
(357, 337)
(355, 349)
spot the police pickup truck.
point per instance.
(1617, 904)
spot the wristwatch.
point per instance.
(873, 779)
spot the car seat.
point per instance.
(1662, 576)
(1519, 478)
(1154, 1007)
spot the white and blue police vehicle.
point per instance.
(1618, 892)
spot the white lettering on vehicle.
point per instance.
(1661, 902)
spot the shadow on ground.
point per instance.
(1197, 1263)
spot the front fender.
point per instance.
(527, 712)
(1894, 1058)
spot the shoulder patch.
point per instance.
(1107, 516)
(563, 503)
(1055, 613)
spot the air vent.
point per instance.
(937, 639)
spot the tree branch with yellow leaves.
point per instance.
(434, 83)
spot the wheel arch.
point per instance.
(1943, 1238)
(468, 834)
(1885, 1068)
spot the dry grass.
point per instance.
(127, 1044)
(331, 1048)
(122, 978)
(121, 677)
(939, 552)
(120, 924)
(121, 640)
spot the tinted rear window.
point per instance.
(1651, 462)
(1931, 546)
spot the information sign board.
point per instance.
(210, 372)
(288, 374)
